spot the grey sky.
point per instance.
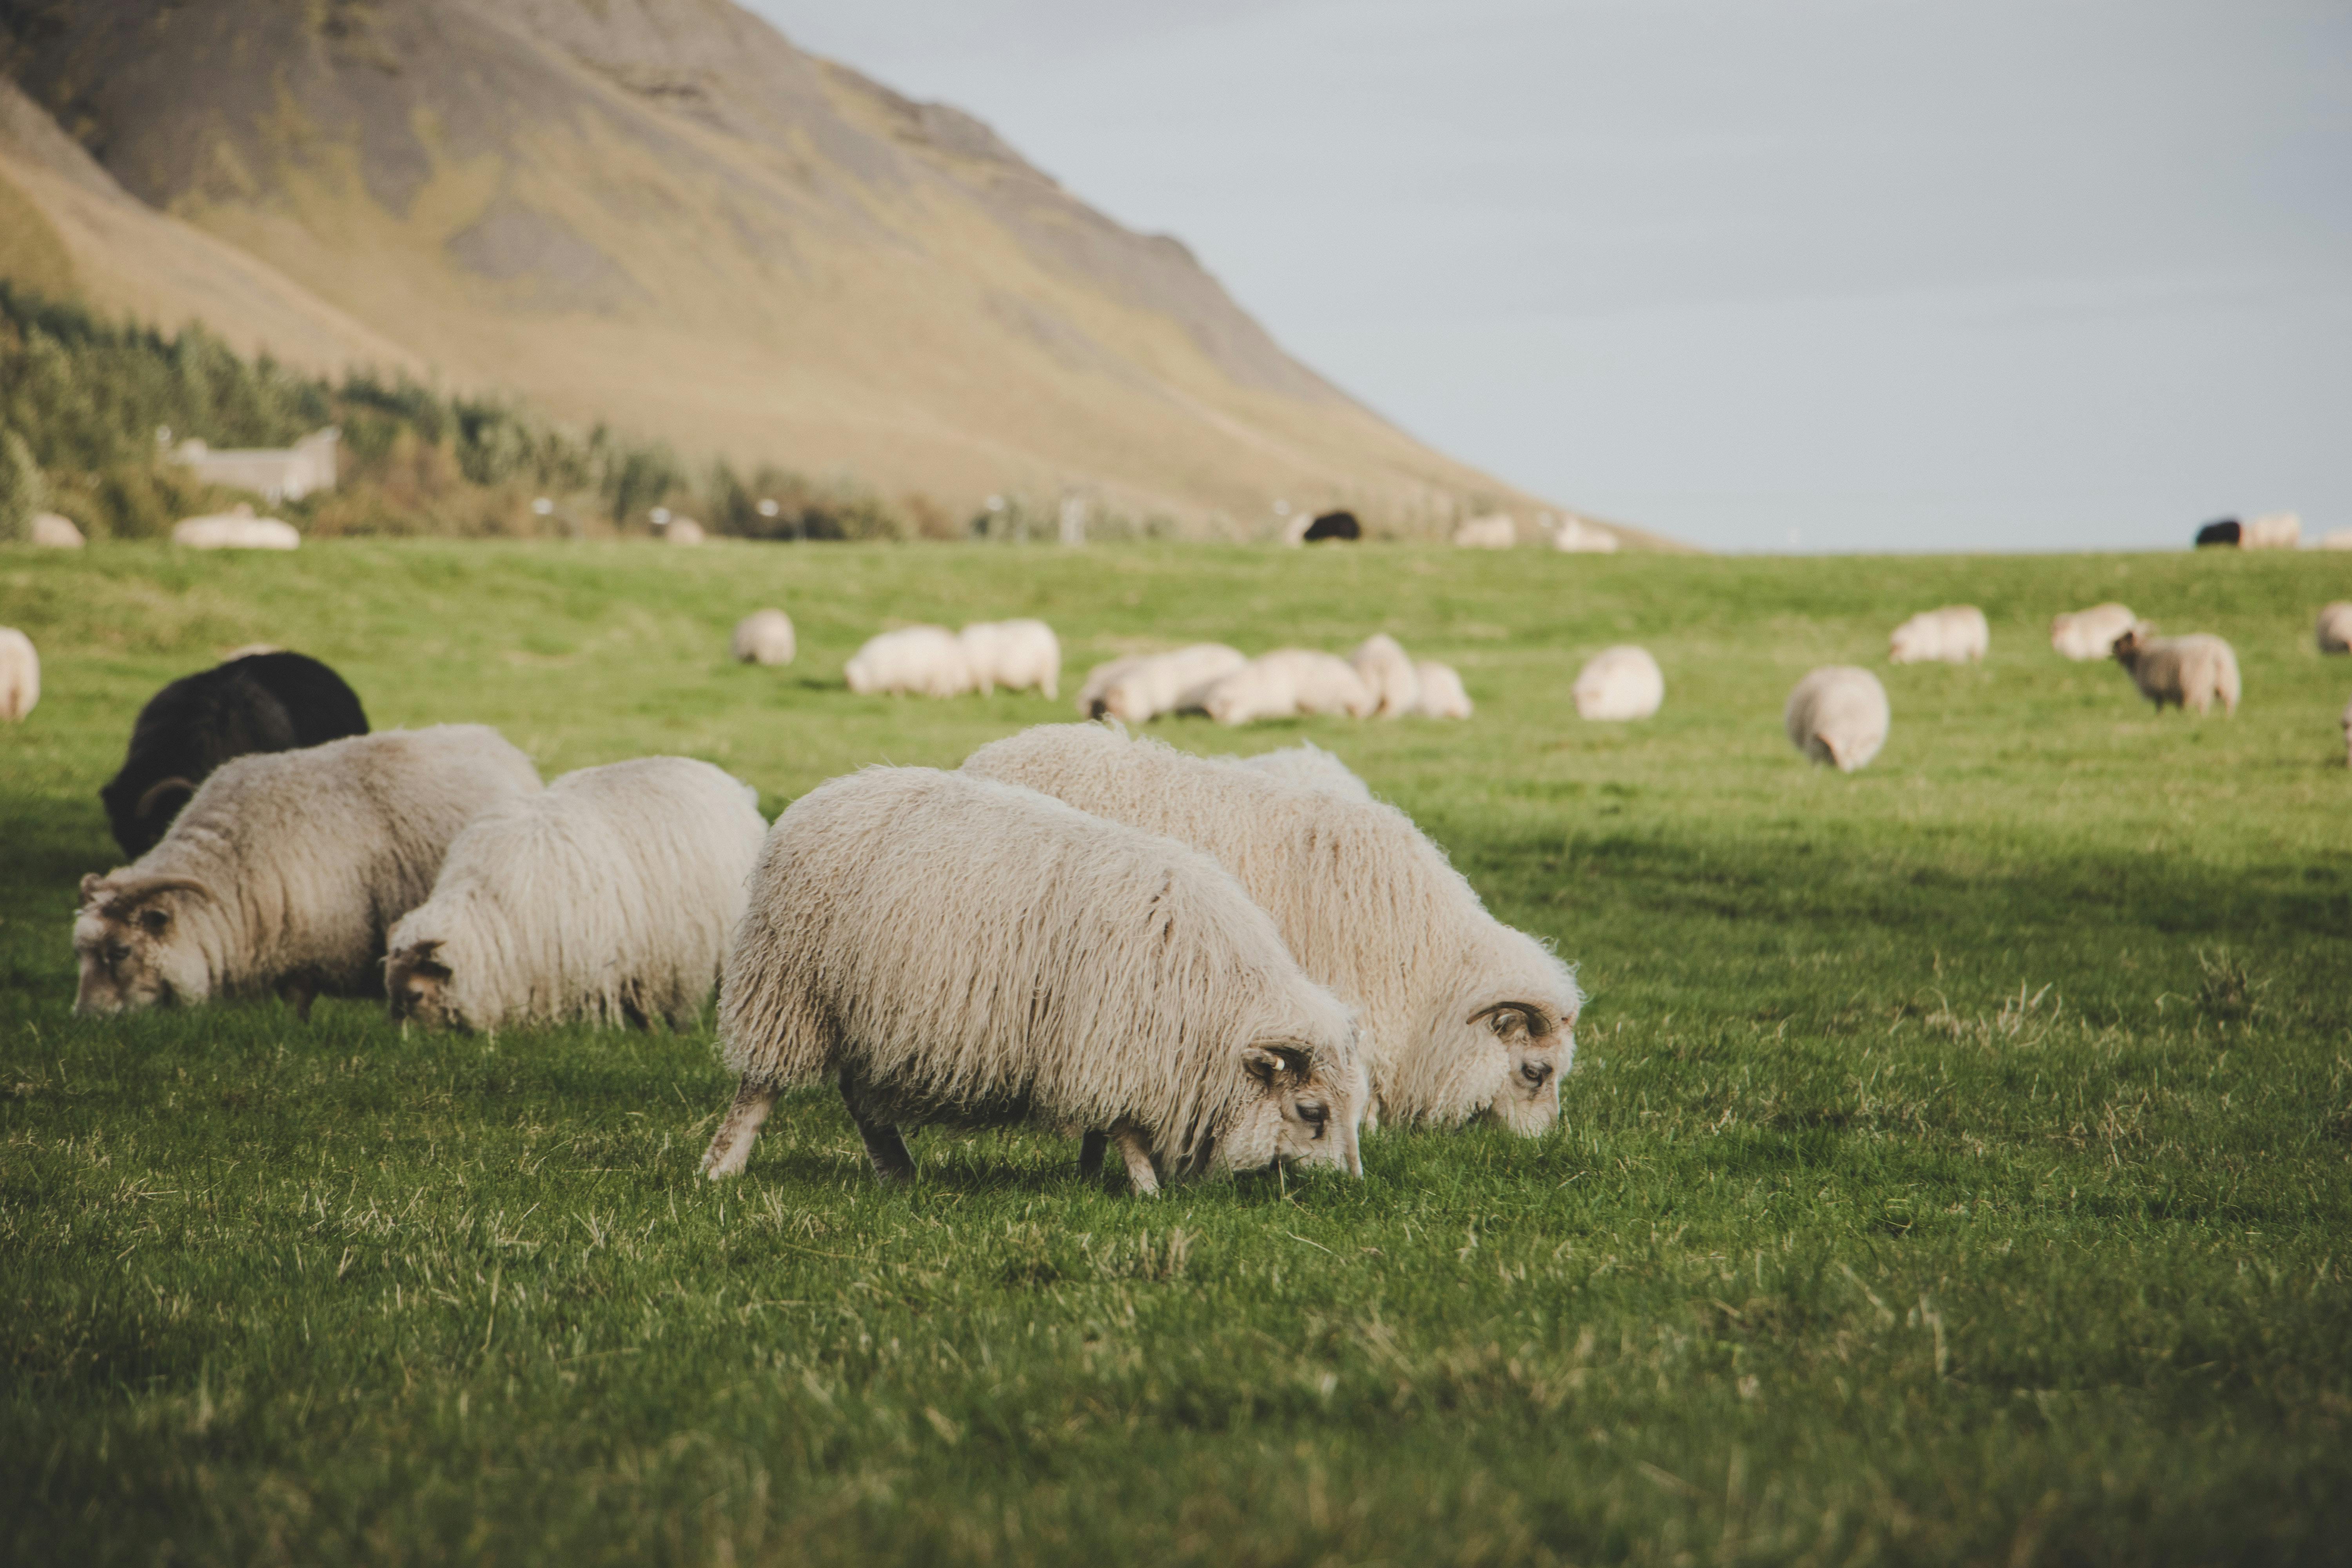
(1861, 275)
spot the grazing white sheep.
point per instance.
(1098, 680)
(1015, 654)
(1309, 766)
(1285, 683)
(20, 675)
(2273, 531)
(236, 529)
(1165, 683)
(55, 533)
(608, 896)
(1621, 682)
(2337, 538)
(1442, 696)
(926, 662)
(1496, 531)
(287, 869)
(1381, 662)
(1838, 714)
(1956, 634)
(2335, 629)
(1577, 536)
(2188, 672)
(1462, 1015)
(953, 950)
(2092, 633)
(763, 637)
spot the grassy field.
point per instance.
(1957, 1167)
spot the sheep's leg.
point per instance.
(1090, 1153)
(883, 1144)
(731, 1149)
(299, 991)
(1136, 1149)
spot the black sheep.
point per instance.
(262, 702)
(1334, 525)
(2225, 531)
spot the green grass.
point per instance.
(1957, 1167)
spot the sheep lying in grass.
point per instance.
(609, 896)
(1496, 531)
(2272, 531)
(1462, 1015)
(1956, 634)
(52, 531)
(1309, 766)
(1015, 654)
(2089, 634)
(1285, 683)
(1838, 714)
(1621, 682)
(287, 868)
(1442, 696)
(960, 951)
(20, 675)
(1138, 690)
(763, 637)
(2335, 629)
(1381, 662)
(236, 530)
(2187, 672)
(926, 662)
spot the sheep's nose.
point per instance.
(1538, 1074)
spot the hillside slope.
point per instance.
(660, 213)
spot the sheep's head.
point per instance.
(1299, 1106)
(417, 985)
(1538, 1040)
(2125, 649)
(132, 944)
(1126, 701)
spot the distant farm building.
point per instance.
(275, 474)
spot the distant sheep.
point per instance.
(924, 661)
(1576, 536)
(954, 950)
(1015, 655)
(55, 533)
(763, 637)
(1332, 527)
(1309, 766)
(2335, 629)
(1381, 662)
(20, 675)
(1442, 696)
(1285, 683)
(2274, 530)
(286, 870)
(1493, 532)
(1838, 715)
(609, 896)
(682, 531)
(2187, 672)
(268, 700)
(236, 530)
(2337, 538)
(2092, 633)
(1462, 1015)
(1621, 682)
(1956, 634)
(1141, 689)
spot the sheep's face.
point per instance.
(1302, 1108)
(1538, 1044)
(132, 946)
(416, 986)
(1126, 701)
(2125, 649)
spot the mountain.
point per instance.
(661, 214)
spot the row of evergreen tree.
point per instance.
(90, 408)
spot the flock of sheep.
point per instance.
(1214, 964)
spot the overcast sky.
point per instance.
(1988, 274)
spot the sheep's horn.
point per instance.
(1529, 1008)
(133, 890)
(155, 791)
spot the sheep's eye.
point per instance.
(1312, 1114)
(116, 952)
(153, 922)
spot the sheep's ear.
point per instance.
(167, 796)
(90, 883)
(1266, 1063)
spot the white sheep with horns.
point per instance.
(1955, 633)
(610, 896)
(955, 950)
(2192, 671)
(1462, 1015)
(1838, 714)
(1441, 695)
(926, 662)
(1309, 766)
(287, 869)
(20, 675)
(1385, 670)
(1285, 683)
(763, 637)
(1015, 655)
(1621, 682)
(1138, 690)
(2091, 634)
